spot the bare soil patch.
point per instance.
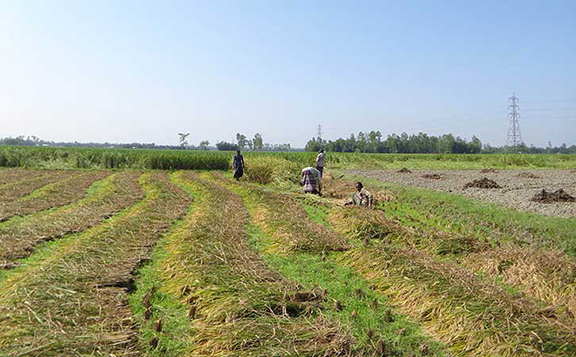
(556, 196)
(517, 187)
(432, 176)
(527, 175)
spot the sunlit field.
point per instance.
(162, 253)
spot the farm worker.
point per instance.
(320, 161)
(238, 165)
(362, 197)
(311, 181)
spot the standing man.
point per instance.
(311, 181)
(320, 159)
(238, 165)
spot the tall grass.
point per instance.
(43, 157)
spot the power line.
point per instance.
(319, 134)
(550, 101)
(546, 109)
(514, 135)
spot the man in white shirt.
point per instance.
(320, 159)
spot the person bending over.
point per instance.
(311, 181)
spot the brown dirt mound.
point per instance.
(482, 183)
(404, 171)
(432, 176)
(527, 175)
(549, 197)
(488, 171)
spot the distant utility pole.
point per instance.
(514, 134)
(319, 135)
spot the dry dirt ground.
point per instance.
(516, 189)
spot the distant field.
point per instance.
(36, 157)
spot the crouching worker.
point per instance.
(311, 181)
(362, 197)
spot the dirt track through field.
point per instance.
(518, 187)
(20, 236)
(73, 301)
(52, 195)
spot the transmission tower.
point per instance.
(514, 134)
(319, 134)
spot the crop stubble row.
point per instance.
(53, 195)
(237, 306)
(20, 236)
(74, 300)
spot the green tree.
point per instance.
(241, 140)
(258, 142)
(314, 145)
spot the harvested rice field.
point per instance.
(106, 262)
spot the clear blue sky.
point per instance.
(124, 71)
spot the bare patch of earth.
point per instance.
(517, 187)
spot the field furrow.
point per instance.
(13, 191)
(234, 304)
(20, 236)
(11, 175)
(72, 300)
(52, 195)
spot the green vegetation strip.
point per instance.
(52, 195)
(42, 157)
(376, 327)
(105, 198)
(207, 276)
(71, 300)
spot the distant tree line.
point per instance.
(373, 142)
(256, 144)
(35, 141)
